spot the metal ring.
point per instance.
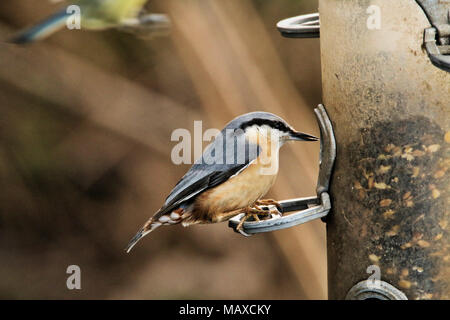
(304, 26)
(369, 290)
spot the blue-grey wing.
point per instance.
(223, 158)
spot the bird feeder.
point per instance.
(386, 90)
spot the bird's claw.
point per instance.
(252, 212)
(269, 202)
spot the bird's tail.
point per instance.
(43, 29)
(146, 229)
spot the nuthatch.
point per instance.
(97, 15)
(235, 171)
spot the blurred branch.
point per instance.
(235, 68)
(107, 100)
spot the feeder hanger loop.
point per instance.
(304, 26)
(300, 210)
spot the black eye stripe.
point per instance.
(271, 123)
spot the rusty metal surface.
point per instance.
(390, 110)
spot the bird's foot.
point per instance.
(269, 202)
(252, 212)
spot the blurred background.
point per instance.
(85, 126)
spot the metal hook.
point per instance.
(439, 55)
(304, 209)
(437, 38)
(304, 26)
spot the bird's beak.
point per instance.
(300, 136)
